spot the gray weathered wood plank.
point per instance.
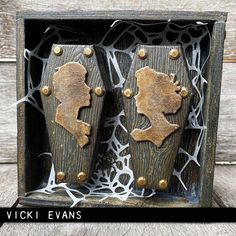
(118, 229)
(8, 184)
(226, 143)
(225, 185)
(211, 113)
(226, 138)
(8, 10)
(131, 14)
(7, 112)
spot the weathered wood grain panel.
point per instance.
(118, 229)
(226, 143)
(226, 138)
(211, 113)
(8, 9)
(225, 185)
(8, 185)
(7, 112)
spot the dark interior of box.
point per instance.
(91, 32)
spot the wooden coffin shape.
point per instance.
(157, 96)
(73, 94)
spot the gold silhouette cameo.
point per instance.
(73, 93)
(158, 95)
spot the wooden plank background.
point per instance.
(224, 184)
(7, 112)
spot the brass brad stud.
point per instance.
(57, 50)
(88, 52)
(141, 182)
(163, 184)
(128, 93)
(142, 53)
(184, 92)
(61, 176)
(81, 177)
(174, 54)
(99, 91)
(46, 91)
